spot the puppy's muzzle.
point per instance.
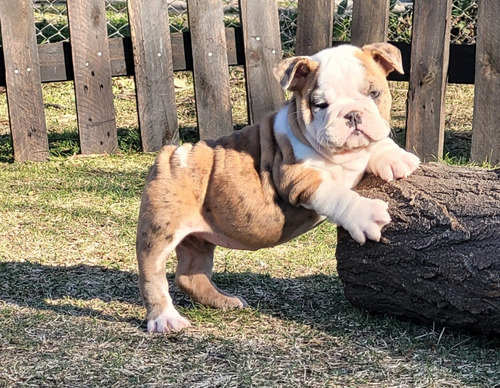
(353, 118)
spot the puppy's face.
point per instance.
(342, 96)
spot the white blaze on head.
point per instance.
(341, 72)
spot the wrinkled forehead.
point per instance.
(342, 67)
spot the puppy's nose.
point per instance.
(353, 118)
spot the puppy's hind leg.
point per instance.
(194, 272)
(154, 245)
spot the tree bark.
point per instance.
(439, 258)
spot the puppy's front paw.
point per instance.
(396, 164)
(367, 219)
(169, 320)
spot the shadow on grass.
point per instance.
(316, 300)
(311, 300)
(35, 285)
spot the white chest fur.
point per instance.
(346, 168)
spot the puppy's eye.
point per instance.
(374, 94)
(321, 105)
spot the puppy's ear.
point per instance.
(292, 72)
(386, 55)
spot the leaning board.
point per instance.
(210, 68)
(154, 73)
(485, 128)
(24, 90)
(92, 71)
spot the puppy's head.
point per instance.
(341, 94)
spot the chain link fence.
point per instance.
(52, 22)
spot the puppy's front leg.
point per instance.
(362, 217)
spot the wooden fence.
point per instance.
(152, 54)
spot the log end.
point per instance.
(439, 259)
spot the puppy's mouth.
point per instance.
(349, 131)
(360, 132)
(355, 120)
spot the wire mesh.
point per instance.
(287, 11)
(463, 21)
(400, 18)
(117, 18)
(52, 22)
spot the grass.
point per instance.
(71, 314)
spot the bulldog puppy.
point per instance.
(271, 182)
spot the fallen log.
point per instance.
(439, 259)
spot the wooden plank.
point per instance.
(210, 68)
(460, 69)
(22, 73)
(461, 65)
(314, 26)
(55, 61)
(429, 65)
(370, 21)
(485, 129)
(121, 56)
(261, 36)
(154, 73)
(182, 49)
(92, 72)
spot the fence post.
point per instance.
(92, 69)
(154, 73)
(485, 127)
(261, 36)
(24, 90)
(210, 68)
(429, 66)
(370, 21)
(314, 26)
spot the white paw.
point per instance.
(169, 320)
(366, 219)
(396, 164)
